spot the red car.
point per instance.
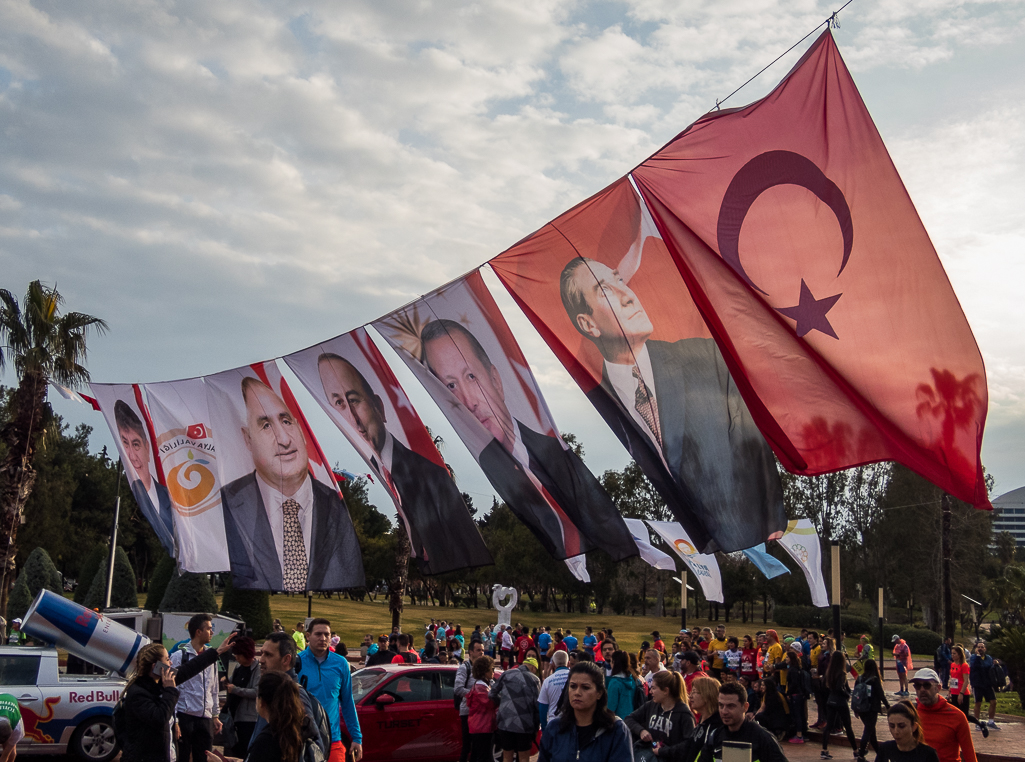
(407, 711)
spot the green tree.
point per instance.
(97, 558)
(44, 346)
(251, 606)
(189, 592)
(123, 589)
(21, 598)
(39, 573)
(166, 568)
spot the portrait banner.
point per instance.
(351, 380)
(186, 456)
(703, 566)
(801, 541)
(460, 348)
(603, 291)
(808, 261)
(286, 524)
(128, 418)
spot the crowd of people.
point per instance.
(589, 698)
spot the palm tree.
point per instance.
(44, 346)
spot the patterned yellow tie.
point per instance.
(297, 566)
(646, 406)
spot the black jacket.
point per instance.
(878, 696)
(148, 709)
(681, 723)
(264, 746)
(700, 744)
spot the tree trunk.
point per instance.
(17, 476)
(397, 584)
(659, 596)
(948, 603)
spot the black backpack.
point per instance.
(312, 752)
(861, 698)
(118, 719)
(638, 698)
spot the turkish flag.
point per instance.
(815, 276)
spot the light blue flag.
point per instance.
(767, 565)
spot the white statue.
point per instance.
(504, 609)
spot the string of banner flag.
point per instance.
(714, 305)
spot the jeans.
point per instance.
(836, 716)
(868, 736)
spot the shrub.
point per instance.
(40, 573)
(123, 588)
(20, 599)
(189, 592)
(919, 639)
(97, 557)
(251, 606)
(158, 584)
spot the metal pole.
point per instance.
(113, 540)
(683, 599)
(882, 661)
(309, 605)
(837, 633)
(948, 603)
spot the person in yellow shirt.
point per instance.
(774, 658)
(299, 636)
(816, 649)
(717, 647)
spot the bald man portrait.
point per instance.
(152, 497)
(456, 358)
(441, 531)
(676, 409)
(285, 530)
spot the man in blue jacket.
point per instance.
(980, 675)
(326, 675)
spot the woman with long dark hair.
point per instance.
(288, 728)
(907, 744)
(623, 686)
(585, 730)
(877, 699)
(798, 690)
(838, 707)
(774, 713)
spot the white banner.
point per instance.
(801, 541)
(652, 555)
(704, 567)
(181, 424)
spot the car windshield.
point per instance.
(364, 680)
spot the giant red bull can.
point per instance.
(83, 632)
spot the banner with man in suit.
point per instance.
(286, 525)
(351, 380)
(187, 458)
(126, 415)
(459, 346)
(601, 288)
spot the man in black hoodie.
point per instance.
(736, 726)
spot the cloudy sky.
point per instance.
(227, 182)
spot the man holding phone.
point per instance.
(198, 705)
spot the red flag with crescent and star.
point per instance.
(815, 276)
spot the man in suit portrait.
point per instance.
(677, 410)
(151, 496)
(440, 529)
(285, 530)
(519, 462)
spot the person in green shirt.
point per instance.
(299, 636)
(12, 729)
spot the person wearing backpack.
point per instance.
(406, 655)
(867, 701)
(625, 692)
(326, 676)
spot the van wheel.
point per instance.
(94, 740)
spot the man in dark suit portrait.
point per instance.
(285, 530)
(520, 461)
(151, 496)
(441, 532)
(676, 409)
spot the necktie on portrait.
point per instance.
(296, 565)
(645, 404)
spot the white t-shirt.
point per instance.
(551, 691)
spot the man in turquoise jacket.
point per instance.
(326, 675)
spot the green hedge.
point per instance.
(123, 589)
(919, 639)
(158, 583)
(189, 592)
(251, 606)
(97, 557)
(19, 600)
(854, 626)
